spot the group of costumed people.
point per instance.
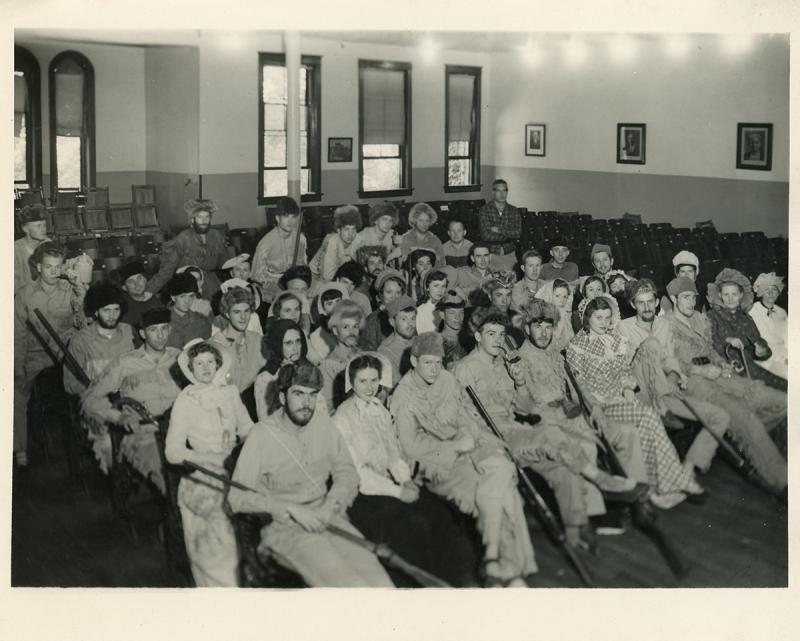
(342, 385)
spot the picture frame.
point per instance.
(340, 150)
(631, 143)
(754, 146)
(535, 140)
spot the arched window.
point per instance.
(27, 121)
(72, 156)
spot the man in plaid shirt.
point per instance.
(500, 225)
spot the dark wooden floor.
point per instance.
(64, 536)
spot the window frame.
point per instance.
(314, 147)
(88, 168)
(26, 62)
(406, 175)
(475, 146)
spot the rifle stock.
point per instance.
(69, 359)
(642, 513)
(546, 516)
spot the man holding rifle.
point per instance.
(289, 458)
(59, 297)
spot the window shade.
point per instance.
(384, 106)
(69, 104)
(459, 115)
(20, 103)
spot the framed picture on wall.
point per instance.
(631, 142)
(534, 140)
(340, 150)
(754, 146)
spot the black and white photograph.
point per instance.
(754, 146)
(535, 140)
(631, 140)
(425, 363)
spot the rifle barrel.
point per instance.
(69, 359)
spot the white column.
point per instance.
(291, 40)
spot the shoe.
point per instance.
(667, 501)
(609, 524)
(631, 495)
(696, 493)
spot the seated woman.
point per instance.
(295, 307)
(772, 322)
(285, 343)
(730, 296)
(599, 360)
(428, 319)
(207, 419)
(200, 304)
(185, 324)
(390, 507)
(559, 294)
(593, 287)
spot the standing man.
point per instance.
(525, 289)
(402, 314)
(275, 252)
(33, 222)
(660, 376)
(143, 375)
(96, 345)
(289, 459)
(60, 298)
(559, 266)
(500, 225)
(197, 245)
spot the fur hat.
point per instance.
(558, 242)
(363, 253)
(183, 283)
(393, 308)
(383, 209)
(422, 208)
(679, 285)
(453, 299)
(686, 258)
(191, 207)
(101, 294)
(598, 248)
(302, 272)
(345, 308)
(765, 281)
(32, 213)
(729, 275)
(347, 215)
(428, 344)
(387, 274)
(130, 269)
(352, 271)
(236, 260)
(155, 316)
(498, 280)
(301, 373)
(538, 311)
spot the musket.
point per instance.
(542, 510)
(739, 462)
(69, 359)
(297, 237)
(381, 550)
(642, 512)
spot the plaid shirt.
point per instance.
(601, 365)
(508, 225)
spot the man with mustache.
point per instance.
(345, 323)
(289, 458)
(197, 245)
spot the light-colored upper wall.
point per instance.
(229, 98)
(119, 101)
(691, 104)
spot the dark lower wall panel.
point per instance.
(733, 205)
(172, 191)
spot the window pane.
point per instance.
(303, 86)
(275, 149)
(276, 182)
(275, 117)
(274, 88)
(371, 151)
(458, 173)
(304, 151)
(390, 151)
(20, 150)
(68, 162)
(380, 174)
(458, 148)
(304, 189)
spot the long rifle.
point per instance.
(642, 512)
(381, 550)
(740, 463)
(542, 510)
(297, 237)
(69, 359)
